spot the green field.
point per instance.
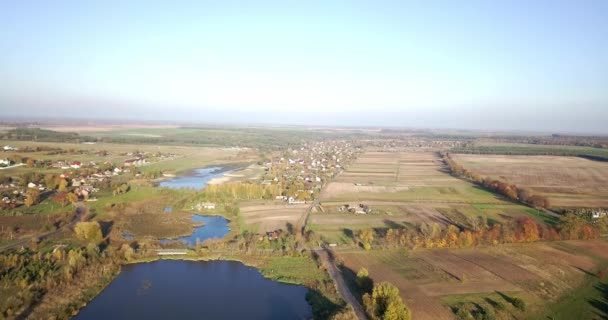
(531, 149)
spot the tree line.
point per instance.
(521, 230)
(509, 190)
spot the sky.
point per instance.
(489, 65)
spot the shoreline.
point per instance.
(222, 169)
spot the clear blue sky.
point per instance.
(523, 65)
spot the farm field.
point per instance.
(434, 281)
(414, 188)
(261, 216)
(566, 181)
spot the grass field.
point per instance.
(413, 188)
(566, 181)
(545, 275)
(492, 147)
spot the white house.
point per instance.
(5, 162)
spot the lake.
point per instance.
(213, 227)
(172, 289)
(196, 179)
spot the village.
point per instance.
(302, 172)
(65, 180)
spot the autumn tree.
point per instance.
(530, 229)
(30, 162)
(366, 237)
(32, 196)
(364, 282)
(61, 198)
(63, 185)
(88, 231)
(50, 181)
(385, 303)
(72, 198)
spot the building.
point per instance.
(596, 214)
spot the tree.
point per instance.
(385, 303)
(530, 229)
(50, 181)
(366, 236)
(30, 162)
(364, 282)
(72, 197)
(32, 196)
(88, 231)
(63, 185)
(524, 195)
(61, 198)
(127, 251)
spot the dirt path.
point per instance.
(336, 275)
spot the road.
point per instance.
(80, 210)
(329, 263)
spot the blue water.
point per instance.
(213, 227)
(196, 290)
(197, 179)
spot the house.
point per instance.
(292, 200)
(274, 235)
(168, 210)
(75, 165)
(596, 214)
(5, 163)
(9, 148)
(204, 205)
(135, 162)
(31, 185)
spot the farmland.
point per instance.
(433, 281)
(406, 189)
(264, 216)
(566, 181)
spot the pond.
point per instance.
(196, 179)
(172, 289)
(213, 227)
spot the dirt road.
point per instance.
(336, 275)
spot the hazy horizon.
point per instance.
(537, 66)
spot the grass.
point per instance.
(296, 270)
(499, 302)
(588, 301)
